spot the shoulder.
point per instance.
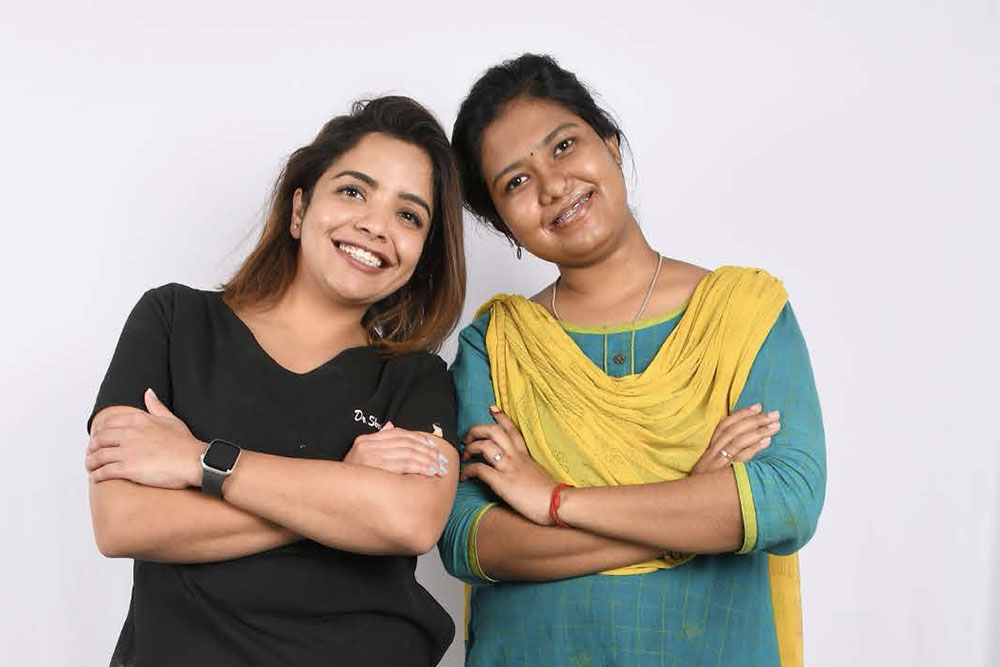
(170, 300)
(472, 337)
(417, 364)
(680, 279)
(744, 285)
(682, 274)
(173, 294)
(476, 329)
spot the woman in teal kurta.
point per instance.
(714, 609)
(712, 606)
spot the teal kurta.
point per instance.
(713, 610)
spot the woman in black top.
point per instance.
(311, 377)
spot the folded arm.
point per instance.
(142, 464)
(484, 541)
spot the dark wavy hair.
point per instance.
(419, 315)
(529, 75)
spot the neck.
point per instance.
(305, 309)
(619, 274)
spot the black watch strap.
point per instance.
(217, 464)
(211, 481)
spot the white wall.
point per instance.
(850, 148)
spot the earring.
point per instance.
(518, 253)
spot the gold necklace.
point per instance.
(638, 313)
(642, 306)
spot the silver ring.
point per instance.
(497, 457)
(726, 455)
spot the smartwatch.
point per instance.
(217, 464)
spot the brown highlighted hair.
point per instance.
(419, 315)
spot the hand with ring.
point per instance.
(507, 467)
(739, 437)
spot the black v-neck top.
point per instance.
(303, 604)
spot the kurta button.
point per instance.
(302, 447)
(618, 358)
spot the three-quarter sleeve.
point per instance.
(781, 490)
(473, 396)
(142, 357)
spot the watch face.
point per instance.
(221, 455)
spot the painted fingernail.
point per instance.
(775, 426)
(442, 458)
(774, 414)
(494, 408)
(436, 430)
(756, 407)
(386, 425)
(765, 441)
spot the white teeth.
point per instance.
(361, 255)
(572, 209)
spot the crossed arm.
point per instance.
(144, 464)
(609, 526)
(768, 498)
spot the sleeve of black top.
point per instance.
(142, 357)
(427, 398)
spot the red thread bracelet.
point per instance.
(554, 504)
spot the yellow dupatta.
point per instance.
(587, 428)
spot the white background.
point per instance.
(850, 148)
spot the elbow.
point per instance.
(416, 539)
(793, 508)
(111, 543)
(114, 523)
(798, 519)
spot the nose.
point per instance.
(553, 185)
(373, 224)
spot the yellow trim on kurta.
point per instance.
(587, 428)
(747, 508)
(473, 556)
(471, 545)
(622, 328)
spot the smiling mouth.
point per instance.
(361, 255)
(572, 212)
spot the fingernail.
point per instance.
(765, 441)
(436, 430)
(775, 426)
(149, 390)
(774, 414)
(494, 408)
(756, 407)
(442, 458)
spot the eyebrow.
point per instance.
(371, 182)
(548, 137)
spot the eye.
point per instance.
(411, 218)
(515, 183)
(564, 145)
(352, 191)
